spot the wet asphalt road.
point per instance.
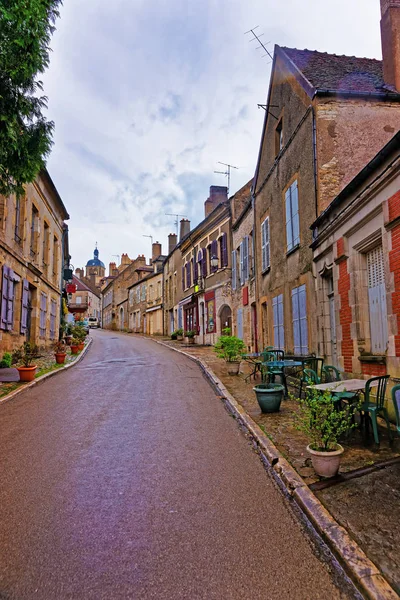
(125, 477)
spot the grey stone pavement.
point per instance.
(125, 477)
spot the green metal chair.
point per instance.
(315, 364)
(309, 377)
(396, 404)
(377, 407)
(277, 371)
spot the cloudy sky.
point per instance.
(148, 95)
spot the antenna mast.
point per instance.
(257, 37)
(176, 222)
(227, 173)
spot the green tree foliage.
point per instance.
(26, 27)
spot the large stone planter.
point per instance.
(269, 396)
(233, 367)
(326, 464)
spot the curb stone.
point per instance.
(361, 570)
(42, 378)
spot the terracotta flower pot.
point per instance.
(74, 349)
(81, 346)
(326, 464)
(60, 357)
(68, 339)
(27, 373)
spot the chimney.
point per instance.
(172, 240)
(185, 229)
(140, 261)
(156, 250)
(390, 34)
(111, 269)
(218, 194)
(125, 260)
(79, 273)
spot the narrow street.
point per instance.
(125, 477)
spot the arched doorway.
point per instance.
(225, 317)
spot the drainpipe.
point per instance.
(255, 242)
(314, 125)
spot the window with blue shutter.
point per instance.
(246, 258)
(279, 333)
(204, 262)
(241, 263)
(42, 318)
(24, 306)
(188, 275)
(265, 246)
(53, 314)
(195, 269)
(183, 278)
(300, 327)
(234, 270)
(4, 298)
(214, 252)
(292, 217)
(224, 255)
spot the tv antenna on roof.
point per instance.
(176, 222)
(227, 173)
(116, 256)
(257, 37)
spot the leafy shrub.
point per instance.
(5, 362)
(179, 332)
(322, 421)
(174, 335)
(25, 355)
(190, 333)
(230, 348)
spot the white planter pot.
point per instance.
(233, 367)
(326, 464)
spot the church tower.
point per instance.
(95, 269)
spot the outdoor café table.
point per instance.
(347, 385)
(282, 364)
(251, 359)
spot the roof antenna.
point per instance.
(257, 37)
(176, 222)
(116, 256)
(227, 173)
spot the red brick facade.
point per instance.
(373, 370)
(345, 310)
(394, 262)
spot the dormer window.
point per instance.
(278, 137)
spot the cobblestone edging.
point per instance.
(362, 571)
(42, 378)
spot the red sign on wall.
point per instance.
(245, 296)
(70, 288)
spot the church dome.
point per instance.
(95, 262)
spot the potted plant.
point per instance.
(230, 348)
(174, 335)
(269, 396)
(5, 362)
(179, 333)
(68, 333)
(323, 422)
(60, 352)
(75, 343)
(190, 336)
(24, 357)
(79, 334)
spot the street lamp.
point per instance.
(214, 261)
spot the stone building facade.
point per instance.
(206, 289)
(85, 302)
(33, 252)
(356, 265)
(326, 117)
(244, 311)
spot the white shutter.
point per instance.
(300, 326)
(296, 321)
(289, 234)
(279, 334)
(265, 248)
(234, 270)
(377, 301)
(294, 201)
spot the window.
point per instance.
(299, 312)
(18, 220)
(265, 248)
(223, 250)
(377, 300)
(212, 251)
(278, 138)
(7, 299)
(234, 270)
(188, 275)
(244, 260)
(143, 296)
(46, 245)
(292, 217)
(279, 333)
(78, 300)
(24, 306)
(204, 271)
(55, 257)
(53, 314)
(43, 310)
(34, 230)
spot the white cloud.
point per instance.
(148, 97)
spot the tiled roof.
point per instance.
(339, 73)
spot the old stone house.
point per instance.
(206, 271)
(244, 312)
(326, 117)
(115, 290)
(356, 244)
(33, 252)
(85, 302)
(172, 288)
